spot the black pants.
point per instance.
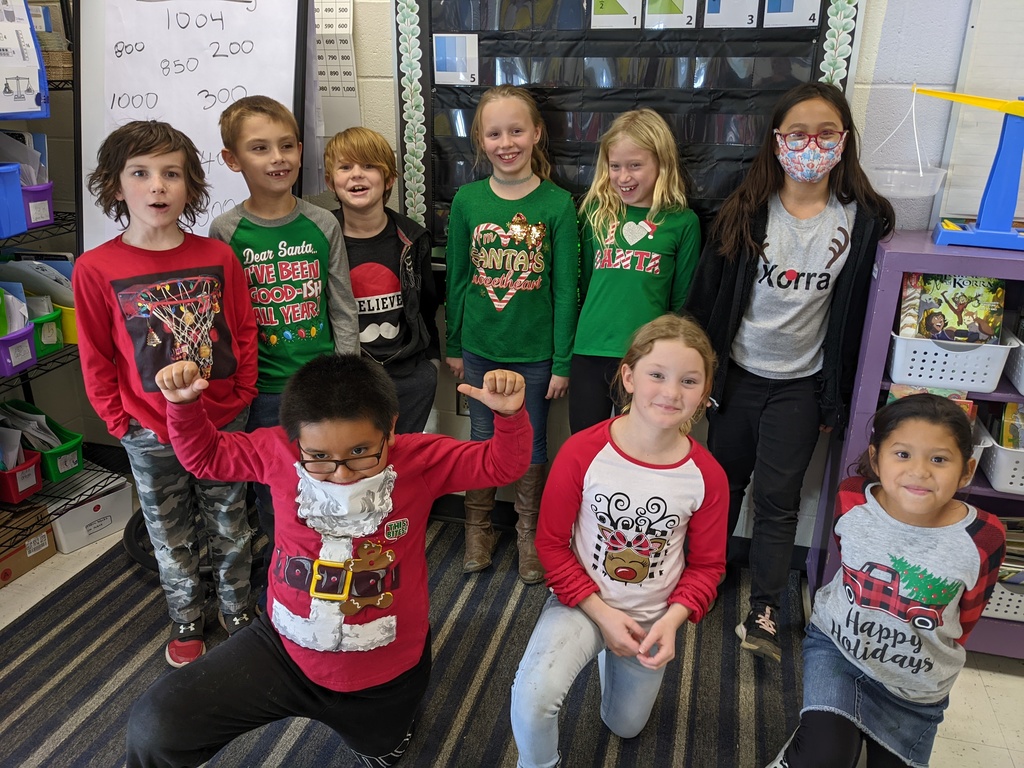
(767, 428)
(828, 740)
(590, 399)
(188, 715)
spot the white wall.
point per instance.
(903, 42)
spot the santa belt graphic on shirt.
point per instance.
(353, 584)
(347, 586)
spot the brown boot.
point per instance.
(528, 492)
(480, 537)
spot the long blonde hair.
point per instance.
(538, 157)
(603, 205)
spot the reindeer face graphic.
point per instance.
(628, 559)
(633, 536)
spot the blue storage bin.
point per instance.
(12, 207)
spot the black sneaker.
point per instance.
(233, 622)
(759, 633)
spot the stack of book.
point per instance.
(958, 396)
(1012, 569)
(952, 308)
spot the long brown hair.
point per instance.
(733, 229)
(539, 156)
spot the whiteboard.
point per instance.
(183, 63)
(992, 65)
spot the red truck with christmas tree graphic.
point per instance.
(877, 587)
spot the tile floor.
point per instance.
(984, 725)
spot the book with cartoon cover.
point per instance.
(961, 308)
(1012, 427)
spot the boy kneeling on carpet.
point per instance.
(346, 637)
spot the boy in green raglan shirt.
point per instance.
(293, 256)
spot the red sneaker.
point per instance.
(186, 643)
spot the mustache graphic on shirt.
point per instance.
(374, 331)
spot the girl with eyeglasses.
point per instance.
(781, 288)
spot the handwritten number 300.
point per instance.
(223, 96)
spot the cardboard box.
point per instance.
(94, 519)
(21, 559)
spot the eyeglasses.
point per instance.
(354, 464)
(824, 140)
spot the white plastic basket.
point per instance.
(951, 364)
(1004, 467)
(1015, 362)
(982, 440)
(1006, 603)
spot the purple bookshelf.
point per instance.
(913, 252)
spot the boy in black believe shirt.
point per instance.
(389, 264)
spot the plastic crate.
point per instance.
(951, 364)
(38, 203)
(1015, 363)
(22, 481)
(64, 460)
(17, 351)
(1007, 603)
(1004, 467)
(49, 335)
(67, 324)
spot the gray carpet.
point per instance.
(72, 666)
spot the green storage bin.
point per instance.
(49, 334)
(64, 460)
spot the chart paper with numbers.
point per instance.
(336, 66)
(183, 63)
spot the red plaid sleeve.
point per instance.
(989, 537)
(849, 495)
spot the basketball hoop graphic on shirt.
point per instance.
(185, 308)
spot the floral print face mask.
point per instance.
(810, 164)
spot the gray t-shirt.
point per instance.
(783, 328)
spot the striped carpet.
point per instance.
(71, 667)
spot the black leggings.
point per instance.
(590, 400)
(828, 740)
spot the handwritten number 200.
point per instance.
(233, 48)
(223, 96)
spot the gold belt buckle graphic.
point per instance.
(330, 581)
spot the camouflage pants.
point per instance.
(170, 497)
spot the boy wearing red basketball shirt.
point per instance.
(152, 296)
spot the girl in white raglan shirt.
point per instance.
(632, 540)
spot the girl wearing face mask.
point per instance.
(781, 288)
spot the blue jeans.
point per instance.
(170, 496)
(564, 641)
(833, 684)
(767, 428)
(481, 418)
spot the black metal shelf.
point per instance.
(60, 85)
(44, 365)
(64, 223)
(24, 520)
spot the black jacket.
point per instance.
(419, 296)
(721, 291)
